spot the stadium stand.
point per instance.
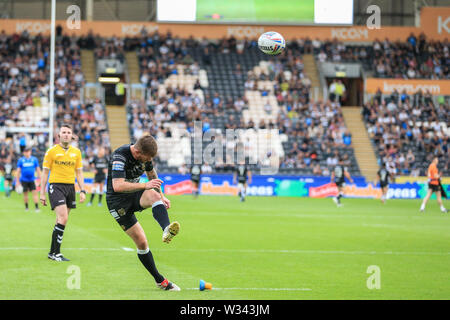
(406, 135)
(411, 59)
(230, 84)
(24, 78)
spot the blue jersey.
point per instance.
(27, 168)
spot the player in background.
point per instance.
(433, 186)
(64, 162)
(196, 172)
(383, 178)
(26, 168)
(338, 175)
(100, 165)
(8, 168)
(125, 195)
(242, 173)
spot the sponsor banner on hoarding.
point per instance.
(284, 186)
(435, 24)
(435, 87)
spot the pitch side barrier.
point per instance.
(284, 186)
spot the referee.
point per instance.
(64, 163)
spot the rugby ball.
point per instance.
(271, 43)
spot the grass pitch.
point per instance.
(264, 248)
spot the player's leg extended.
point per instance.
(145, 256)
(136, 232)
(151, 198)
(439, 200)
(241, 190)
(425, 200)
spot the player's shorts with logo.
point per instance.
(8, 177)
(62, 193)
(384, 184)
(100, 177)
(434, 187)
(123, 206)
(28, 186)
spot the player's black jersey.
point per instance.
(122, 164)
(100, 163)
(242, 171)
(383, 174)
(195, 172)
(339, 173)
(8, 168)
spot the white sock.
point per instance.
(422, 207)
(443, 208)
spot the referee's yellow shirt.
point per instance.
(62, 163)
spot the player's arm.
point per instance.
(151, 174)
(118, 178)
(349, 177)
(249, 177)
(18, 170)
(234, 177)
(332, 176)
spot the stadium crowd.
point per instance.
(24, 84)
(316, 129)
(407, 135)
(414, 58)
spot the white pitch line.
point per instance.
(257, 289)
(251, 251)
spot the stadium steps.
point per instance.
(88, 66)
(118, 126)
(133, 67)
(312, 72)
(364, 153)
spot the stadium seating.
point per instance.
(24, 77)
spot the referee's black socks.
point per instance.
(160, 214)
(57, 236)
(146, 258)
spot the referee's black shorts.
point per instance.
(122, 207)
(62, 194)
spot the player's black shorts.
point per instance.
(384, 184)
(28, 186)
(195, 179)
(62, 193)
(100, 177)
(123, 206)
(8, 177)
(243, 181)
(340, 183)
(434, 187)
